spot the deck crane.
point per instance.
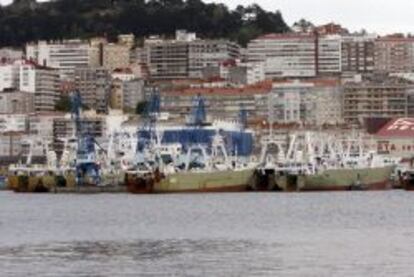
(86, 165)
(146, 134)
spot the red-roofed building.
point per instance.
(220, 102)
(331, 29)
(397, 138)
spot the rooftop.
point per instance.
(400, 127)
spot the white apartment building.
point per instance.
(296, 55)
(315, 102)
(16, 102)
(9, 76)
(255, 72)
(125, 94)
(329, 55)
(245, 73)
(43, 82)
(285, 103)
(325, 105)
(124, 74)
(9, 55)
(284, 55)
(13, 123)
(41, 124)
(65, 56)
(10, 145)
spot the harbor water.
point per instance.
(250, 234)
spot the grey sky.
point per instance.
(381, 16)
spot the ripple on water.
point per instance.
(317, 234)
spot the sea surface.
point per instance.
(251, 234)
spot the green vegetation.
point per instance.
(26, 20)
(64, 104)
(140, 108)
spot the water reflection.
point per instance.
(317, 234)
(163, 257)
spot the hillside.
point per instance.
(27, 20)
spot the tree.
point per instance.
(64, 104)
(140, 107)
(28, 20)
(303, 25)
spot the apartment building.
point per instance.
(116, 56)
(186, 56)
(246, 74)
(314, 102)
(16, 102)
(221, 103)
(94, 85)
(236, 73)
(125, 94)
(43, 82)
(394, 54)
(9, 55)
(64, 127)
(328, 58)
(297, 54)
(65, 55)
(124, 74)
(9, 76)
(326, 104)
(13, 123)
(41, 124)
(127, 40)
(285, 55)
(376, 99)
(358, 54)
(10, 146)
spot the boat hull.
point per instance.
(138, 184)
(347, 179)
(408, 181)
(222, 181)
(32, 183)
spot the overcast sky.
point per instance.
(380, 16)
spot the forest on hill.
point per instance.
(27, 20)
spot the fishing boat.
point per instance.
(313, 161)
(204, 172)
(345, 165)
(195, 157)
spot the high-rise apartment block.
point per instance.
(94, 85)
(386, 98)
(65, 56)
(297, 54)
(394, 54)
(43, 82)
(358, 54)
(126, 94)
(9, 76)
(9, 55)
(16, 102)
(314, 102)
(186, 56)
(115, 56)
